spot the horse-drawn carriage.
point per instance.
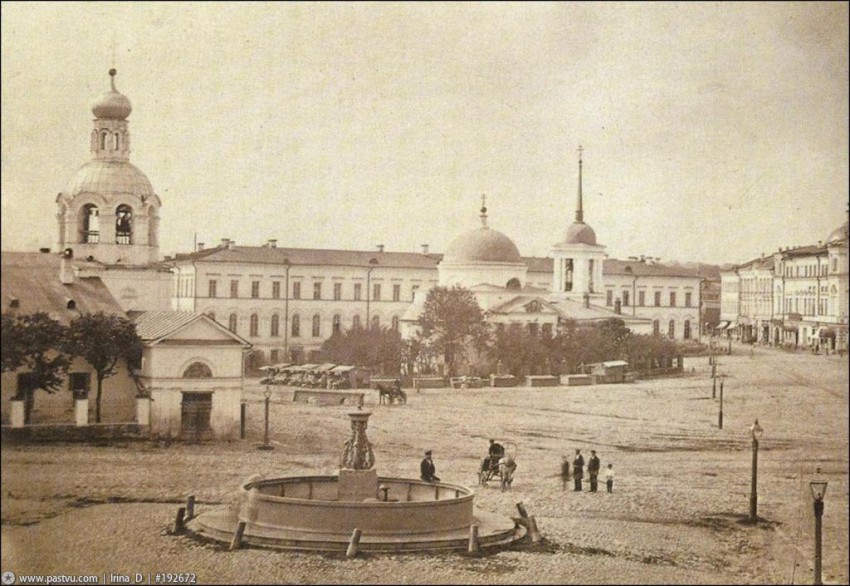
(388, 395)
(501, 463)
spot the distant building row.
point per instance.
(793, 297)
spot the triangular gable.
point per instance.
(526, 305)
(203, 330)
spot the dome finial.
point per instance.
(579, 211)
(483, 210)
(112, 73)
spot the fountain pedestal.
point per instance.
(358, 485)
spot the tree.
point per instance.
(34, 342)
(451, 319)
(379, 349)
(103, 340)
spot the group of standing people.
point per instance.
(593, 466)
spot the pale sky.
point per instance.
(711, 131)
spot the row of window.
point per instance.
(357, 292)
(609, 300)
(295, 324)
(810, 270)
(534, 329)
(91, 224)
(807, 306)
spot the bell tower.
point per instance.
(108, 211)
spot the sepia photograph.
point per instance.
(424, 292)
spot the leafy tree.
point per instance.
(34, 342)
(379, 349)
(451, 319)
(103, 340)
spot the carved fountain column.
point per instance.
(358, 480)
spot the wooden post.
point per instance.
(522, 512)
(190, 507)
(178, 520)
(353, 543)
(533, 531)
(237, 536)
(473, 539)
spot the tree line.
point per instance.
(43, 349)
(453, 328)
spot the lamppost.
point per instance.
(372, 263)
(286, 314)
(756, 431)
(720, 413)
(818, 491)
(265, 445)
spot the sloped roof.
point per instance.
(576, 310)
(155, 325)
(522, 301)
(613, 266)
(812, 249)
(33, 279)
(313, 256)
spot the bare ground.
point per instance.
(677, 514)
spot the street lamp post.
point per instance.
(372, 263)
(266, 446)
(286, 315)
(818, 491)
(720, 413)
(756, 431)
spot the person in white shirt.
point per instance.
(609, 477)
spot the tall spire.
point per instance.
(579, 211)
(483, 211)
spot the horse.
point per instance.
(507, 466)
(389, 395)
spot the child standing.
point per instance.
(609, 477)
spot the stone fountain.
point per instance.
(320, 513)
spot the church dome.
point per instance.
(482, 245)
(580, 233)
(838, 234)
(103, 176)
(112, 105)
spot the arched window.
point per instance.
(255, 325)
(395, 323)
(123, 224)
(656, 328)
(671, 330)
(376, 322)
(317, 326)
(687, 333)
(513, 284)
(355, 322)
(91, 226)
(103, 135)
(231, 323)
(117, 141)
(197, 370)
(275, 329)
(337, 323)
(296, 325)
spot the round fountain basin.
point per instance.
(306, 512)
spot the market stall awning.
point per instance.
(722, 325)
(342, 368)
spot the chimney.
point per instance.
(380, 248)
(272, 243)
(225, 242)
(642, 258)
(424, 249)
(231, 244)
(66, 268)
(44, 250)
(200, 246)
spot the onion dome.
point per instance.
(838, 234)
(482, 245)
(580, 233)
(105, 177)
(112, 105)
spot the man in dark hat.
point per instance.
(427, 469)
(593, 469)
(578, 470)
